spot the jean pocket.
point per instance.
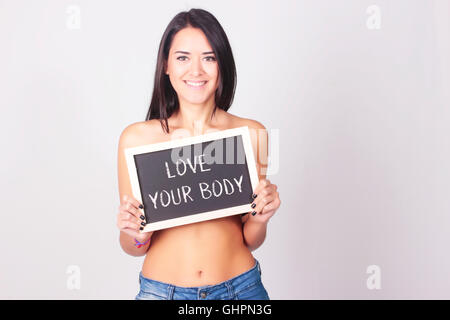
(254, 291)
(143, 295)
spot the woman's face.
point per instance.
(192, 67)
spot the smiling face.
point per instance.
(192, 67)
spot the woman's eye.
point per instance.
(210, 58)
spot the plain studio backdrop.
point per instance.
(354, 93)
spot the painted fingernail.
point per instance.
(141, 206)
(253, 205)
(141, 228)
(254, 196)
(142, 217)
(253, 213)
(143, 224)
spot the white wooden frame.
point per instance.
(201, 216)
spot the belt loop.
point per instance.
(230, 289)
(170, 292)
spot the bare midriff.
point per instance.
(198, 254)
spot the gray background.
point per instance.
(362, 116)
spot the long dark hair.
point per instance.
(164, 98)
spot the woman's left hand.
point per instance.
(267, 201)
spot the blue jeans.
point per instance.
(246, 286)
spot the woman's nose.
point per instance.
(196, 67)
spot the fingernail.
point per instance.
(141, 228)
(142, 217)
(253, 213)
(254, 196)
(141, 206)
(253, 205)
(143, 224)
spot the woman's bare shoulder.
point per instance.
(239, 121)
(142, 132)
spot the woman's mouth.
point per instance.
(195, 84)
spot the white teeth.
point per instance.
(196, 84)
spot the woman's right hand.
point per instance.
(130, 219)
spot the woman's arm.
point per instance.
(127, 243)
(267, 200)
(254, 234)
(130, 215)
(255, 231)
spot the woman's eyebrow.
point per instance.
(186, 52)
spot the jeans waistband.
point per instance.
(240, 279)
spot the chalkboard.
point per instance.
(193, 179)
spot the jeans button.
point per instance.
(203, 295)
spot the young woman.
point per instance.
(194, 86)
